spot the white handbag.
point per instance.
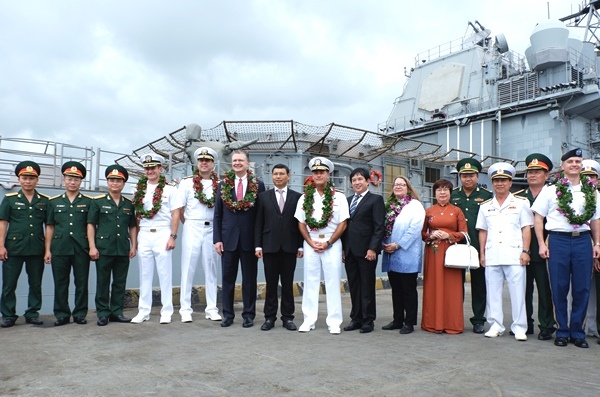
(462, 256)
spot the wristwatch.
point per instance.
(328, 244)
(528, 252)
(174, 236)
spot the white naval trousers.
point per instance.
(197, 244)
(515, 280)
(331, 262)
(152, 251)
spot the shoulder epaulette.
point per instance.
(187, 177)
(487, 190)
(11, 194)
(456, 188)
(518, 192)
(87, 196)
(100, 196)
(488, 200)
(521, 197)
(128, 199)
(44, 195)
(55, 197)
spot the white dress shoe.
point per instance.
(493, 333)
(140, 318)
(165, 319)
(520, 336)
(186, 318)
(305, 327)
(335, 330)
(213, 316)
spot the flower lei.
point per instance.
(393, 206)
(140, 193)
(308, 206)
(249, 198)
(199, 189)
(564, 198)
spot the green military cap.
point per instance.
(468, 166)
(537, 161)
(74, 168)
(28, 168)
(116, 171)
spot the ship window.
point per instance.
(391, 172)
(432, 174)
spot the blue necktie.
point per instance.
(354, 204)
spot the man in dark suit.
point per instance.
(233, 235)
(362, 243)
(278, 243)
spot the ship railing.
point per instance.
(51, 156)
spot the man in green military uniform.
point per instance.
(112, 236)
(67, 245)
(22, 217)
(468, 197)
(538, 167)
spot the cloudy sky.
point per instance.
(118, 74)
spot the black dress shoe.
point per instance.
(119, 319)
(226, 322)
(80, 320)
(580, 342)
(289, 325)
(248, 322)
(560, 341)
(8, 322)
(529, 330)
(407, 329)
(62, 321)
(102, 321)
(267, 325)
(366, 328)
(478, 328)
(34, 321)
(353, 326)
(392, 326)
(545, 335)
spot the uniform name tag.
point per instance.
(17, 203)
(81, 205)
(106, 206)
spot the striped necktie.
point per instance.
(354, 204)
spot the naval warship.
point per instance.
(470, 97)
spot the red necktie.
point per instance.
(240, 191)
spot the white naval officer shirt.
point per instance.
(503, 223)
(186, 197)
(341, 212)
(163, 217)
(547, 206)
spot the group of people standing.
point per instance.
(237, 219)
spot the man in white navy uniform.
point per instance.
(196, 201)
(571, 211)
(504, 225)
(322, 214)
(158, 221)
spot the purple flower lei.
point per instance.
(393, 207)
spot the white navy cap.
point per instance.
(151, 160)
(205, 153)
(501, 170)
(590, 167)
(320, 163)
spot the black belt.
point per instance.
(570, 234)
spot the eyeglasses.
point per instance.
(442, 189)
(399, 184)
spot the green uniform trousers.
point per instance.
(61, 271)
(478, 295)
(109, 299)
(538, 272)
(11, 270)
